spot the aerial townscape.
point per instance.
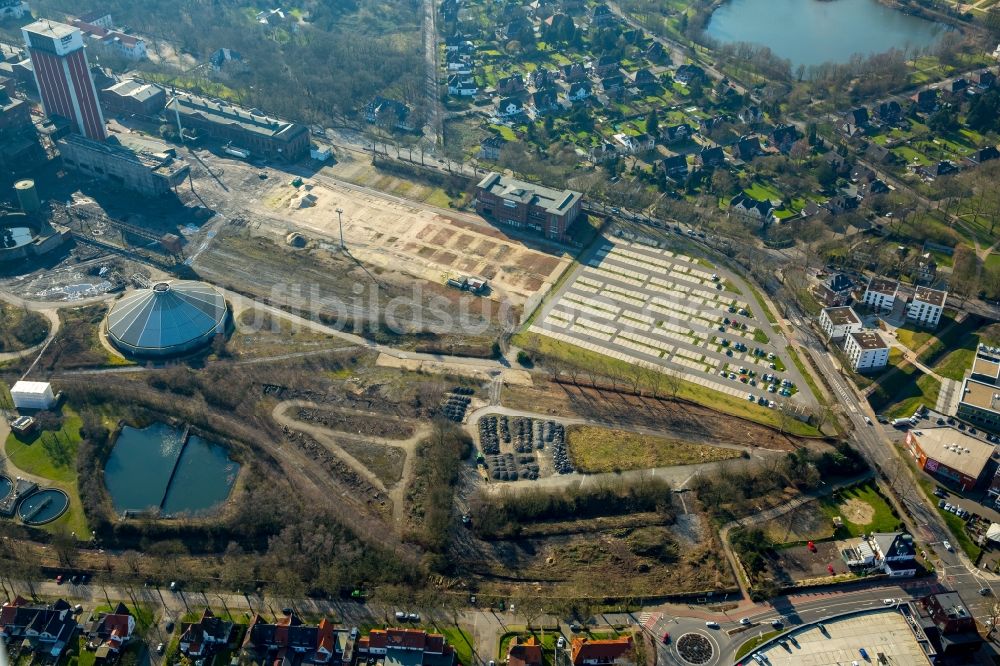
(499, 332)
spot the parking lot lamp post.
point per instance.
(340, 222)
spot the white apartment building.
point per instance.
(837, 322)
(881, 293)
(866, 350)
(926, 307)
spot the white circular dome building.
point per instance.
(168, 319)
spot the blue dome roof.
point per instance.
(169, 318)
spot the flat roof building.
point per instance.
(249, 129)
(837, 322)
(518, 204)
(949, 625)
(881, 293)
(986, 365)
(32, 395)
(866, 350)
(979, 403)
(950, 454)
(926, 306)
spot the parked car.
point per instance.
(400, 615)
(712, 624)
(665, 638)
(413, 617)
(745, 621)
(947, 546)
(777, 623)
(59, 579)
(159, 648)
(561, 643)
(888, 602)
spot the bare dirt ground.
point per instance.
(857, 511)
(689, 422)
(798, 563)
(417, 241)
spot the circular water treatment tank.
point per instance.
(43, 507)
(168, 319)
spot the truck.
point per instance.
(896, 423)
(467, 283)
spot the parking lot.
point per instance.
(841, 641)
(663, 310)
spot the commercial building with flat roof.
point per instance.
(926, 306)
(950, 454)
(949, 625)
(866, 350)
(881, 293)
(839, 321)
(261, 135)
(521, 205)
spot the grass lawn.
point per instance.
(800, 364)
(878, 518)
(760, 299)
(763, 192)
(701, 395)
(595, 449)
(459, 639)
(52, 455)
(923, 392)
(751, 644)
(955, 364)
(913, 338)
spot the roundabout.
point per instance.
(695, 648)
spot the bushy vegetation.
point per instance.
(502, 515)
(430, 497)
(20, 329)
(731, 493)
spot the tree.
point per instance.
(653, 123)
(944, 120)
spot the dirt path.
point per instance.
(327, 436)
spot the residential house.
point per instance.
(837, 322)
(509, 107)
(855, 121)
(710, 158)
(986, 154)
(604, 151)
(834, 292)
(862, 174)
(544, 101)
(207, 636)
(579, 91)
(927, 306)
(644, 79)
(618, 651)
(274, 16)
(510, 85)
(613, 85)
(783, 137)
(524, 653)
(876, 186)
(458, 63)
(924, 269)
(516, 29)
(290, 641)
(706, 125)
(221, 58)
(676, 133)
(99, 17)
(655, 52)
(405, 647)
(935, 171)
(632, 145)
(880, 294)
(750, 115)
(462, 86)
(521, 205)
(543, 78)
(42, 630)
(573, 72)
(927, 100)
(128, 46)
(112, 631)
(745, 205)
(866, 351)
(605, 66)
(602, 15)
(747, 148)
(895, 553)
(950, 627)
(491, 146)
(984, 79)
(13, 9)
(459, 43)
(389, 113)
(956, 86)
(675, 167)
(889, 112)
(685, 74)
(449, 10)
(840, 203)
(879, 154)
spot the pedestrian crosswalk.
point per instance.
(647, 620)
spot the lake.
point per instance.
(813, 32)
(138, 472)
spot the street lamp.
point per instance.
(340, 222)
